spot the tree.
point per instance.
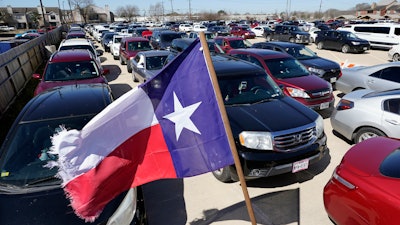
(34, 18)
(157, 11)
(84, 7)
(128, 12)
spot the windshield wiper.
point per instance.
(43, 180)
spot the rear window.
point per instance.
(390, 165)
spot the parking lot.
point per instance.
(285, 199)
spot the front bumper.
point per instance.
(253, 168)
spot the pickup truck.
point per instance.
(288, 33)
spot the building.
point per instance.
(382, 10)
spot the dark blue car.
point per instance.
(29, 192)
(324, 68)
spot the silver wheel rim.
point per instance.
(366, 135)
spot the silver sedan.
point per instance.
(363, 114)
(378, 77)
(147, 64)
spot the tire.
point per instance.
(312, 40)
(320, 45)
(121, 61)
(129, 67)
(396, 57)
(345, 49)
(115, 57)
(268, 38)
(367, 132)
(134, 78)
(223, 174)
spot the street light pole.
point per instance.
(44, 19)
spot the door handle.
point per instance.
(394, 122)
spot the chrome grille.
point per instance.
(295, 141)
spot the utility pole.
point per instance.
(44, 19)
(190, 11)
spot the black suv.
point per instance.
(163, 39)
(288, 33)
(344, 41)
(274, 134)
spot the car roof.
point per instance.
(71, 55)
(57, 102)
(132, 39)
(226, 66)
(154, 53)
(75, 41)
(281, 44)
(229, 38)
(264, 53)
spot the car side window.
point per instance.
(254, 60)
(392, 105)
(391, 74)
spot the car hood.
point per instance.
(320, 63)
(308, 83)
(29, 206)
(275, 115)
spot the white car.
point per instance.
(199, 28)
(394, 53)
(185, 27)
(115, 44)
(313, 34)
(81, 43)
(259, 30)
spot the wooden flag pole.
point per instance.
(228, 130)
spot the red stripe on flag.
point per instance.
(141, 159)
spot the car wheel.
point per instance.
(320, 45)
(367, 132)
(129, 67)
(268, 38)
(291, 40)
(396, 57)
(134, 78)
(115, 57)
(121, 61)
(345, 48)
(223, 174)
(311, 40)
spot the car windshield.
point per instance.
(237, 90)
(117, 39)
(301, 52)
(69, 47)
(286, 68)
(139, 45)
(350, 36)
(155, 62)
(62, 71)
(26, 152)
(237, 44)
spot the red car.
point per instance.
(295, 80)
(243, 32)
(365, 187)
(227, 43)
(67, 67)
(129, 47)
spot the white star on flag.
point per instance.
(181, 117)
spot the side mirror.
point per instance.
(99, 52)
(36, 76)
(140, 66)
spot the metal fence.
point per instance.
(18, 64)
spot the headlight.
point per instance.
(298, 36)
(316, 71)
(319, 126)
(256, 140)
(297, 93)
(355, 43)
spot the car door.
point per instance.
(330, 39)
(391, 116)
(385, 79)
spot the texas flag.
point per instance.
(170, 127)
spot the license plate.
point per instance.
(324, 105)
(333, 79)
(300, 165)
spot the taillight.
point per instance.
(344, 104)
(343, 181)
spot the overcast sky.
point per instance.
(229, 6)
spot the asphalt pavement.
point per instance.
(284, 199)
